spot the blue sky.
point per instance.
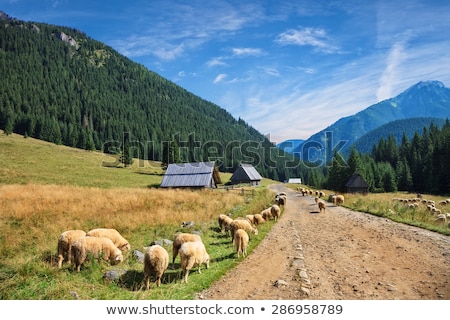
(288, 68)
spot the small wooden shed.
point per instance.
(191, 175)
(357, 184)
(246, 173)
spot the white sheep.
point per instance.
(266, 214)
(224, 223)
(242, 224)
(181, 238)
(193, 254)
(338, 200)
(118, 240)
(98, 247)
(241, 240)
(275, 211)
(251, 218)
(65, 241)
(321, 205)
(156, 262)
(258, 219)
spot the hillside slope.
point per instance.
(396, 128)
(61, 86)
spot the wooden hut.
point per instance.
(191, 175)
(247, 174)
(356, 184)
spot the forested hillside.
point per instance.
(61, 86)
(397, 129)
(419, 164)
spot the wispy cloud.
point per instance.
(388, 77)
(216, 62)
(246, 52)
(220, 78)
(314, 37)
(180, 28)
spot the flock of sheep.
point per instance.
(336, 199)
(76, 246)
(429, 205)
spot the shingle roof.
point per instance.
(245, 172)
(356, 181)
(193, 174)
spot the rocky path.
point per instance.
(339, 254)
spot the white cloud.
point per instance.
(215, 62)
(220, 78)
(389, 75)
(245, 52)
(315, 37)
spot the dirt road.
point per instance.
(339, 254)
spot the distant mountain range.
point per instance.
(426, 99)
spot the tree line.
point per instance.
(420, 164)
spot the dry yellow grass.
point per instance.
(37, 214)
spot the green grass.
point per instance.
(27, 160)
(28, 240)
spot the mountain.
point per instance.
(397, 129)
(59, 85)
(424, 99)
(290, 145)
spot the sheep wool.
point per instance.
(99, 247)
(224, 223)
(156, 262)
(193, 254)
(179, 240)
(242, 224)
(65, 241)
(338, 200)
(258, 219)
(241, 240)
(266, 214)
(321, 206)
(275, 211)
(119, 241)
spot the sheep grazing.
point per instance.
(266, 214)
(322, 206)
(338, 200)
(224, 223)
(250, 218)
(281, 200)
(193, 254)
(275, 211)
(241, 242)
(156, 262)
(119, 241)
(242, 224)
(258, 219)
(65, 241)
(179, 240)
(98, 247)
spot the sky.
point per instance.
(289, 68)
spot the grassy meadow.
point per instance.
(46, 189)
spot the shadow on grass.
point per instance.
(134, 280)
